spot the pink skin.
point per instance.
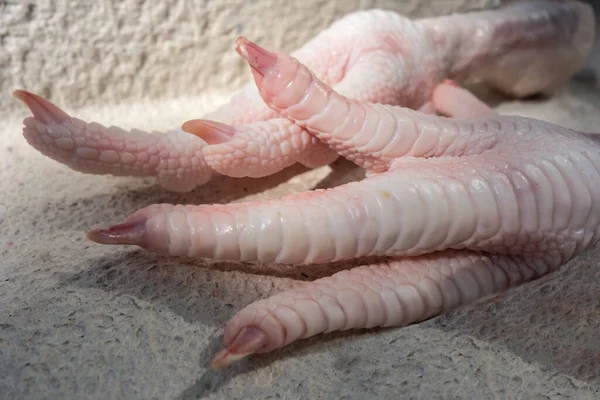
(375, 56)
(175, 159)
(465, 207)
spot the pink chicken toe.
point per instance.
(256, 149)
(175, 158)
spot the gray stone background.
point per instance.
(82, 321)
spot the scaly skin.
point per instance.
(375, 56)
(465, 207)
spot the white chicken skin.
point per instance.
(459, 208)
(376, 56)
(479, 204)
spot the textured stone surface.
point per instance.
(91, 52)
(78, 320)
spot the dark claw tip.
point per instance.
(248, 341)
(129, 233)
(259, 58)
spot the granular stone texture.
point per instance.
(81, 53)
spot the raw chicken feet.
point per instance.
(466, 208)
(175, 158)
(458, 208)
(375, 56)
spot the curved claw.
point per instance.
(259, 59)
(175, 158)
(128, 233)
(43, 110)
(211, 132)
(248, 341)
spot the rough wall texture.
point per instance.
(93, 52)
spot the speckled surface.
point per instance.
(78, 320)
(94, 52)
